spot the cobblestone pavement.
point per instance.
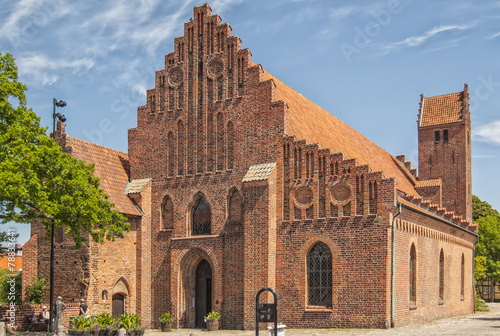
(487, 323)
(481, 323)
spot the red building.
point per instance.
(233, 182)
(11, 258)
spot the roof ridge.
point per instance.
(97, 145)
(443, 95)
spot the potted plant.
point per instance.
(166, 320)
(105, 322)
(81, 326)
(212, 320)
(132, 324)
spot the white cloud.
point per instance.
(44, 70)
(489, 133)
(343, 12)
(493, 36)
(220, 6)
(416, 41)
(28, 16)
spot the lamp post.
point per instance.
(61, 117)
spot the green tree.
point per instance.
(482, 209)
(10, 287)
(39, 181)
(35, 292)
(487, 260)
(488, 244)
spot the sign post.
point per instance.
(266, 312)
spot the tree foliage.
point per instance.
(488, 243)
(35, 293)
(482, 209)
(10, 287)
(39, 181)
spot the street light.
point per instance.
(61, 117)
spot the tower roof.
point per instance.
(442, 109)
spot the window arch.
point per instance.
(413, 274)
(201, 218)
(171, 154)
(221, 146)
(167, 213)
(230, 145)
(319, 275)
(235, 208)
(441, 276)
(462, 278)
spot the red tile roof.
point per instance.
(306, 120)
(429, 183)
(443, 109)
(111, 166)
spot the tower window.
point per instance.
(445, 136)
(437, 136)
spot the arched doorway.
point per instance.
(118, 306)
(120, 292)
(203, 295)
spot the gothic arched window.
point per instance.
(235, 208)
(201, 218)
(441, 276)
(319, 276)
(462, 278)
(413, 274)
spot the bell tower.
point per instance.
(444, 149)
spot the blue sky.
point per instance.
(367, 62)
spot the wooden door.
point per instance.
(203, 300)
(118, 305)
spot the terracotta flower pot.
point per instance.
(213, 325)
(166, 326)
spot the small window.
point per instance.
(462, 279)
(437, 136)
(441, 277)
(445, 136)
(413, 274)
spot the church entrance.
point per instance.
(118, 306)
(203, 295)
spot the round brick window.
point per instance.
(340, 192)
(215, 67)
(304, 196)
(175, 76)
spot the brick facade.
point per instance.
(232, 179)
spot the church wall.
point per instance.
(72, 272)
(110, 263)
(430, 236)
(327, 198)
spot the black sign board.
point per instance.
(266, 312)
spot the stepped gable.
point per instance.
(443, 109)
(306, 120)
(112, 168)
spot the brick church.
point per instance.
(233, 182)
